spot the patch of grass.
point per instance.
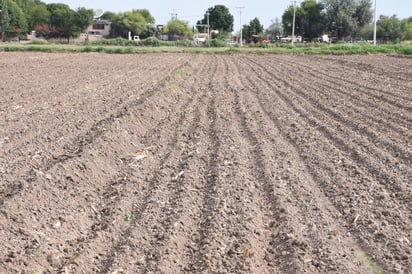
(173, 47)
(361, 255)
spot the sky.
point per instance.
(192, 11)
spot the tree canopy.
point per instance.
(178, 29)
(219, 19)
(134, 21)
(253, 31)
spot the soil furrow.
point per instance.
(294, 192)
(303, 150)
(76, 148)
(165, 163)
(359, 105)
(369, 90)
(357, 152)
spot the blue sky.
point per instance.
(191, 10)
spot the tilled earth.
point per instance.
(163, 163)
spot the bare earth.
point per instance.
(163, 163)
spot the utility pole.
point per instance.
(240, 20)
(374, 27)
(208, 26)
(293, 24)
(174, 15)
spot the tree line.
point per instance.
(342, 19)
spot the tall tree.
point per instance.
(219, 19)
(406, 29)
(363, 15)
(38, 15)
(178, 29)
(287, 20)
(340, 17)
(62, 20)
(313, 20)
(13, 18)
(132, 21)
(253, 31)
(83, 18)
(388, 28)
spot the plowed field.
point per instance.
(163, 163)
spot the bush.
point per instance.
(215, 43)
(151, 42)
(114, 42)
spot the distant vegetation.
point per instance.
(150, 45)
(341, 20)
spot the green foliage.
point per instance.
(83, 18)
(38, 15)
(62, 19)
(219, 19)
(313, 21)
(178, 29)
(134, 21)
(340, 18)
(406, 28)
(253, 31)
(388, 28)
(287, 20)
(214, 43)
(14, 19)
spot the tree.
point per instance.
(253, 31)
(132, 21)
(62, 21)
(363, 15)
(13, 19)
(340, 17)
(406, 29)
(83, 19)
(287, 20)
(275, 29)
(389, 28)
(313, 20)
(219, 19)
(178, 29)
(346, 18)
(38, 15)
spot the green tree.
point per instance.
(178, 29)
(108, 15)
(340, 17)
(38, 15)
(62, 21)
(406, 29)
(83, 19)
(253, 31)
(388, 28)
(13, 19)
(132, 21)
(363, 15)
(287, 20)
(219, 19)
(313, 20)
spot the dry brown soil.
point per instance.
(163, 163)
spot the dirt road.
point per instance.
(162, 163)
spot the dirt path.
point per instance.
(161, 163)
